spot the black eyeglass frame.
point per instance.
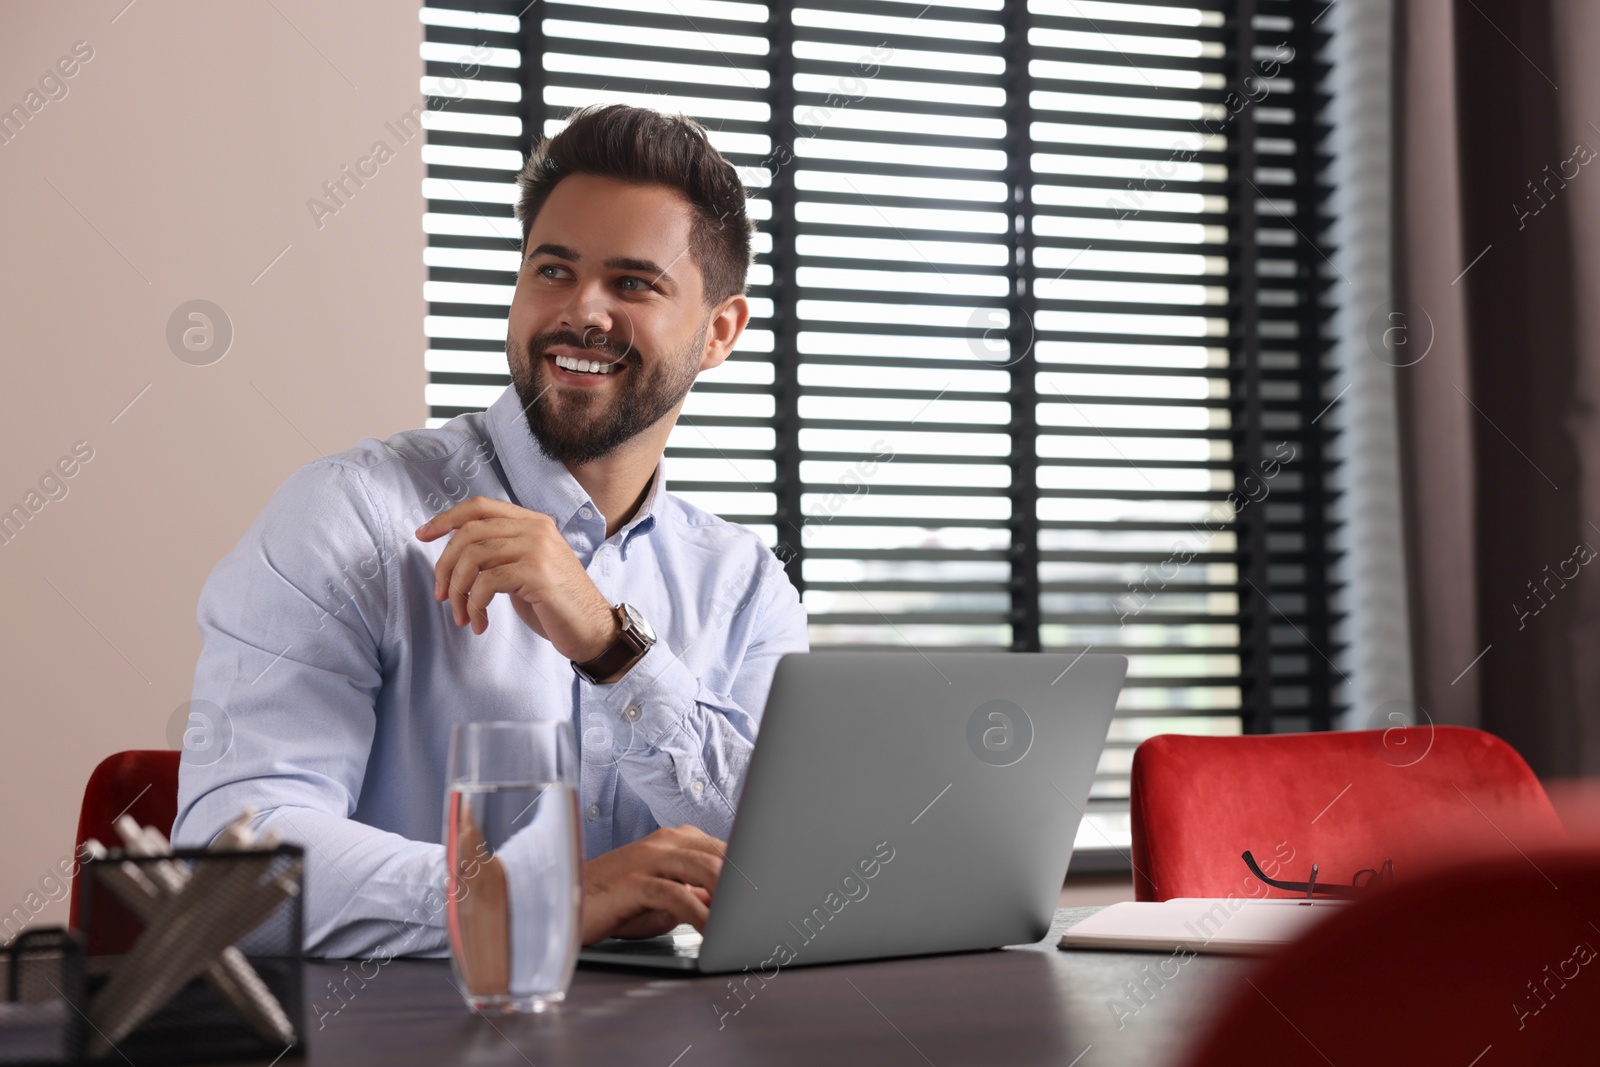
(1375, 877)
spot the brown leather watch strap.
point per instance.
(614, 662)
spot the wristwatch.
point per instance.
(629, 648)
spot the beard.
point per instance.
(578, 426)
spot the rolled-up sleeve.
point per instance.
(292, 625)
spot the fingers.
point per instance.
(649, 924)
(475, 535)
(673, 871)
(479, 507)
(486, 534)
(692, 837)
(640, 905)
(475, 599)
(673, 898)
(683, 865)
(468, 595)
(683, 853)
(661, 895)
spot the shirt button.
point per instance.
(632, 712)
(698, 787)
(587, 513)
(593, 813)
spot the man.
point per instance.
(521, 563)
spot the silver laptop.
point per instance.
(900, 804)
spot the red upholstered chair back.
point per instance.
(1499, 954)
(145, 785)
(1344, 800)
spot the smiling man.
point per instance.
(525, 562)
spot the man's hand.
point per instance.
(646, 888)
(498, 547)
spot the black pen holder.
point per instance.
(202, 1019)
(43, 980)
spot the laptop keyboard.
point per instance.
(681, 943)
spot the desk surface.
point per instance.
(1025, 1005)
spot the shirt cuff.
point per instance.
(654, 697)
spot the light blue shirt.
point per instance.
(339, 677)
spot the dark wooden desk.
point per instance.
(1025, 1005)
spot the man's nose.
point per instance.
(596, 316)
(588, 314)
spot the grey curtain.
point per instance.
(1498, 228)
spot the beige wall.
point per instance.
(187, 146)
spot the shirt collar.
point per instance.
(542, 484)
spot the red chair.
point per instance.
(144, 784)
(1347, 800)
(1494, 962)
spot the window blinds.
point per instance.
(1038, 351)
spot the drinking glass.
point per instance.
(514, 863)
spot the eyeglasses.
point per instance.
(1374, 877)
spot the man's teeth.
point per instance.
(584, 366)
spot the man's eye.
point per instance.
(634, 285)
(551, 271)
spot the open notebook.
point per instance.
(1200, 924)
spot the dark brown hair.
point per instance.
(636, 144)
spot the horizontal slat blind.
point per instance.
(897, 117)
(1130, 331)
(709, 60)
(477, 132)
(1036, 357)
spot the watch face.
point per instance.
(636, 621)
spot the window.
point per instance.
(1039, 347)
